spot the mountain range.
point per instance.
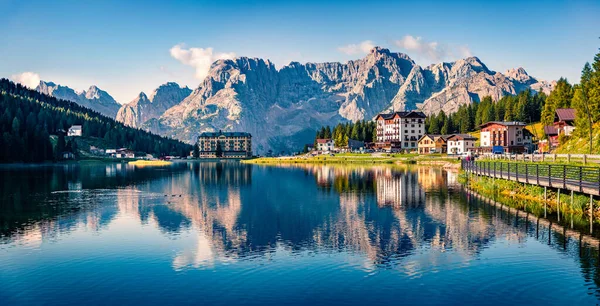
(283, 107)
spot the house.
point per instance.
(564, 119)
(325, 144)
(225, 145)
(509, 137)
(551, 133)
(430, 143)
(75, 131)
(110, 152)
(356, 145)
(460, 143)
(399, 130)
(124, 153)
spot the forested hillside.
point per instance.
(29, 118)
(525, 107)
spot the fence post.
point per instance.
(545, 200)
(550, 175)
(526, 174)
(591, 212)
(537, 174)
(584, 159)
(571, 209)
(558, 204)
(564, 176)
(580, 179)
(568, 158)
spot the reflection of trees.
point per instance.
(382, 213)
(58, 196)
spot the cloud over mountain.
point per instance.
(29, 79)
(198, 58)
(432, 50)
(362, 48)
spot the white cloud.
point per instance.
(199, 58)
(29, 79)
(431, 49)
(361, 48)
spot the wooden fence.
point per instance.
(576, 178)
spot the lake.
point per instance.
(223, 233)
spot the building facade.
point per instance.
(325, 145)
(75, 131)
(461, 143)
(225, 145)
(400, 130)
(510, 136)
(429, 144)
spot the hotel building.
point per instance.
(225, 144)
(400, 130)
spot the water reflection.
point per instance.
(395, 218)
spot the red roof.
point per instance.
(326, 140)
(565, 114)
(550, 130)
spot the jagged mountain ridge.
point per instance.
(282, 108)
(144, 108)
(94, 98)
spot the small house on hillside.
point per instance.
(430, 143)
(75, 131)
(564, 119)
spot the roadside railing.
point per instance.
(577, 178)
(582, 158)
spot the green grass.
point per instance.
(353, 158)
(531, 198)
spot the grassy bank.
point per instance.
(531, 198)
(580, 144)
(354, 158)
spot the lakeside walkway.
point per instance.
(574, 178)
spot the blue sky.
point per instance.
(126, 47)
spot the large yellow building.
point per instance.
(225, 145)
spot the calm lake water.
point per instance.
(228, 233)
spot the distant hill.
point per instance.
(94, 98)
(29, 119)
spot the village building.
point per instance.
(429, 144)
(564, 119)
(356, 145)
(124, 153)
(399, 130)
(75, 131)
(325, 144)
(505, 137)
(225, 145)
(461, 143)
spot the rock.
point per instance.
(144, 108)
(94, 98)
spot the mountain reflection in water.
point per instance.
(381, 217)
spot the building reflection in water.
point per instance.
(385, 214)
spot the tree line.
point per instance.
(525, 107)
(29, 119)
(361, 130)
